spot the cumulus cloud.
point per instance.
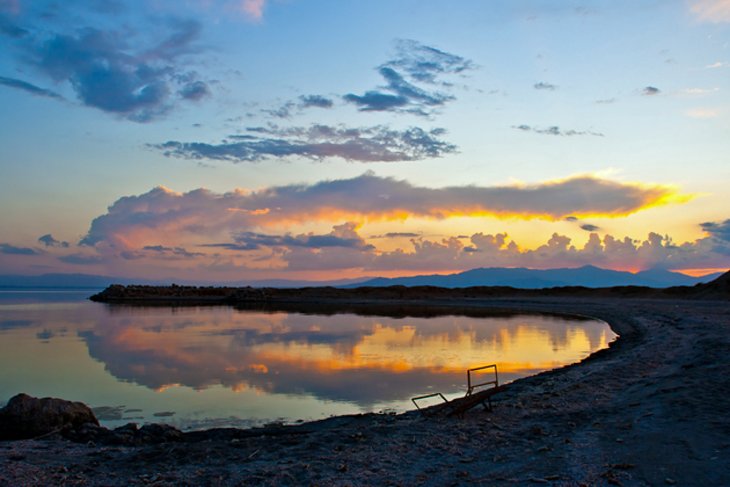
(110, 71)
(28, 88)
(544, 86)
(6, 248)
(414, 64)
(650, 91)
(555, 130)
(318, 142)
(720, 231)
(134, 219)
(49, 241)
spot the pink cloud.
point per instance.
(254, 9)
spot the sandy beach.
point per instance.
(650, 410)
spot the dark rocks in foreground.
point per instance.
(29, 417)
(26, 417)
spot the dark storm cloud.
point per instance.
(318, 142)
(28, 88)
(8, 249)
(555, 130)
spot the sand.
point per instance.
(653, 409)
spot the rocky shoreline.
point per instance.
(649, 410)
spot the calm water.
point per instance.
(198, 367)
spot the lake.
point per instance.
(202, 367)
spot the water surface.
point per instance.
(197, 367)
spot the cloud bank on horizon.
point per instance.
(231, 232)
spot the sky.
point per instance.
(229, 140)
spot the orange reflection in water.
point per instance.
(340, 357)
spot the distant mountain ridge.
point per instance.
(588, 276)
(520, 277)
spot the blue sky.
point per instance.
(479, 134)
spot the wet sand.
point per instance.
(653, 409)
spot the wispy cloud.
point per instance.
(304, 102)
(9, 249)
(28, 88)
(414, 64)
(703, 113)
(715, 11)
(650, 91)
(318, 142)
(545, 86)
(254, 9)
(555, 130)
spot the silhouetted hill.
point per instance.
(587, 276)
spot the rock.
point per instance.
(29, 417)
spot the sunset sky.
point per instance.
(220, 140)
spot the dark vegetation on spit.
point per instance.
(245, 296)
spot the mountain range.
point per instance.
(588, 276)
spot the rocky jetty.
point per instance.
(243, 296)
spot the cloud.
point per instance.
(28, 88)
(589, 228)
(195, 90)
(716, 65)
(715, 11)
(555, 130)
(254, 9)
(720, 231)
(8, 249)
(397, 235)
(703, 113)
(650, 91)
(10, 29)
(304, 102)
(316, 101)
(49, 241)
(108, 72)
(82, 259)
(344, 235)
(134, 221)
(415, 63)
(544, 86)
(318, 142)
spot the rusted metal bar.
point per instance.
(471, 387)
(427, 396)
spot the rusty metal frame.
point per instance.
(471, 387)
(426, 396)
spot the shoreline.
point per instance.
(657, 389)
